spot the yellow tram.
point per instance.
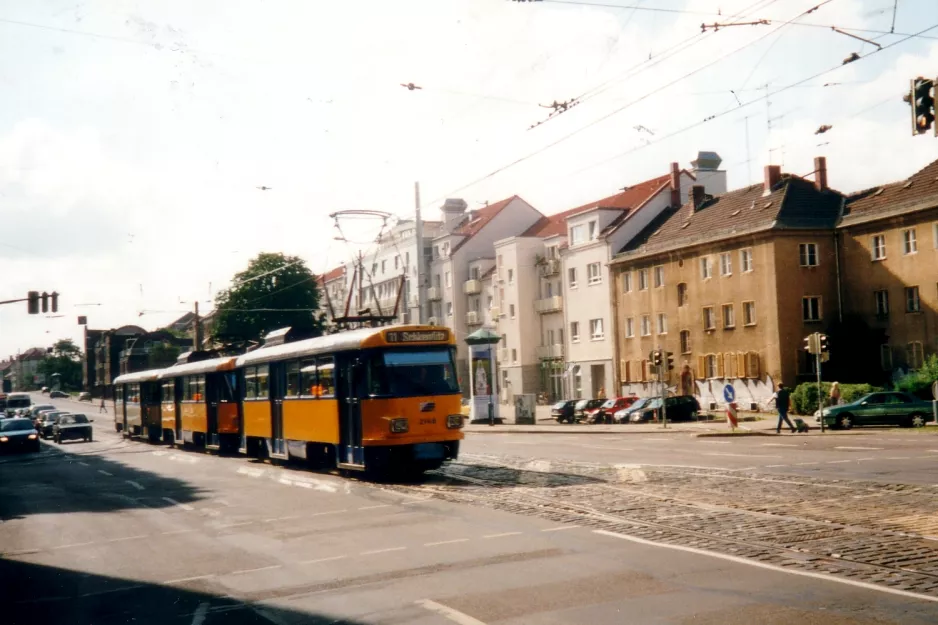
(385, 400)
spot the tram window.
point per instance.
(198, 393)
(293, 379)
(408, 373)
(309, 387)
(262, 381)
(134, 394)
(227, 389)
(250, 383)
(119, 394)
(168, 394)
(186, 388)
(326, 370)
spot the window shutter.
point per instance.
(729, 366)
(753, 369)
(741, 365)
(644, 371)
(624, 372)
(702, 367)
(721, 373)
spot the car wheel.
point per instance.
(845, 422)
(917, 421)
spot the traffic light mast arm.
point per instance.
(15, 301)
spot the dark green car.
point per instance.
(886, 408)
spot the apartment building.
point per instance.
(730, 284)
(595, 233)
(461, 255)
(889, 258)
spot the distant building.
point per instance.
(26, 376)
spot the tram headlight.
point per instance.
(399, 426)
(454, 421)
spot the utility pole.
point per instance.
(820, 398)
(421, 272)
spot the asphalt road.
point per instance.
(116, 531)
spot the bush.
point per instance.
(804, 400)
(919, 382)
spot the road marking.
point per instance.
(184, 506)
(84, 464)
(560, 529)
(805, 464)
(251, 472)
(606, 447)
(225, 526)
(117, 540)
(330, 559)
(261, 568)
(714, 453)
(327, 512)
(501, 535)
(184, 531)
(861, 448)
(70, 545)
(368, 553)
(864, 459)
(934, 451)
(778, 445)
(775, 466)
(200, 612)
(715, 442)
(135, 484)
(447, 612)
(102, 472)
(182, 580)
(282, 518)
(160, 453)
(838, 461)
(446, 542)
(899, 458)
(384, 505)
(771, 567)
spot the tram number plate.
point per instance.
(428, 451)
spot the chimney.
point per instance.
(454, 211)
(696, 195)
(820, 173)
(675, 185)
(773, 175)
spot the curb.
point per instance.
(733, 434)
(497, 430)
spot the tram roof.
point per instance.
(225, 363)
(139, 376)
(344, 341)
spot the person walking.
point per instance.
(103, 407)
(835, 393)
(781, 399)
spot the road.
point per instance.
(118, 531)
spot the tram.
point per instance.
(383, 400)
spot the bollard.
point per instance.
(731, 415)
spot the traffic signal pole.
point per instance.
(820, 400)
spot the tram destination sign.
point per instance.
(416, 336)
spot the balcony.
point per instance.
(472, 287)
(474, 318)
(548, 352)
(434, 294)
(550, 267)
(548, 304)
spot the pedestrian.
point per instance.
(103, 407)
(781, 399)
(835, 393)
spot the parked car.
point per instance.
(623, 415)
(45, 422)
(563, 410)
(18, 435)
(59, 394)
(678, 408)
(72, 426)
(604, 414)
(584, 405)
(16, 402)
(33, 412)
(884, 408)
(84, 396)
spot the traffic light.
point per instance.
(32, 302)
(670, 356)
(656, 358)
(811, 344)
(45, 302)
(823, 345)
(55, 302)
(923, 105)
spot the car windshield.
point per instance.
(609, 403)
(560, 404)
(50, 416)
(582, 404)
(19, 402)
(639, 403)
(654, 403)
(410, 373)
(79, 418)
(12, 425)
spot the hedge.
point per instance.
(919, 382)
(804, 397)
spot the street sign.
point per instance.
(729, 394)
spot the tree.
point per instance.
(162, 355)
(64, 359)
(275, 291)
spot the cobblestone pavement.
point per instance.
(885, 534)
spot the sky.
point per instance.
(134, 136)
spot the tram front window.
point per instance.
(412, 373)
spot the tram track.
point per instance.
(890, 558)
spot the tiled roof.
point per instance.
(921, 188)
(477, 219)
(332, 274)
(631, 197)
(33, 353)
(794, 203)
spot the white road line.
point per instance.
(864, 459)
(70, 545)
(184, 506)
(775, 466)
(446, 542)
(117, 540)
(182, 580)
(778, 445)
(606, 447)
(560, 529)
(317, 560)
(84, 464)
(261, 568)
(328, 512)
(838, 461)
(861, 448)
(250, 471)
(501, 535)
(184, 531)
(805, 464)
(715, 442)
(714, 453)
(282, 518)
(102, 472)
(771, 567)
(898, 458)
(135, 484)
(227, 525)
(200, 612)
(384, 505)
(447, 612)
(368, 553)
(934, 451)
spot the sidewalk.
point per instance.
(550, 426)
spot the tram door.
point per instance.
(351, 388)
(212, 382)
(278, 382)
(177, 407)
